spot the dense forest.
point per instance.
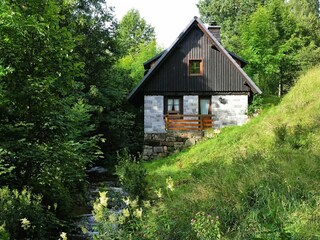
(66, 68)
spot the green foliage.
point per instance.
(132, 175)
(270, 44)
(134, 31)
(206, 226)
(229, 14)
(23, 215)
(3, 233)
(137, 218)
(46, 137)
(255, 106)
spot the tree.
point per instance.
(134, 31)
(44, 118)
(122, 122)
(271, 41)
(229, 14)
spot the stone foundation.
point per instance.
(163, 144)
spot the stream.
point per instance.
(100, 179)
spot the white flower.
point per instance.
(159, 193)
(126, 200)
(138, 213)
(63, 236)
(146, 204)
(125, 212)
(25, 223)
(134, 203)
(169, 182)
(103, 199)
(112, 218)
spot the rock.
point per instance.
(97, 170)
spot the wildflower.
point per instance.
(63, 236)
(121, 219)
(125, 212)
(113, 218)
(84, 230)
(103, 199)
(159, 192)
(134, 203)
(169, 182)
(55, 205)
(25, 223)
(126, 200)
(146, 204)
(138, 213)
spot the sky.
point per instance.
(168, 17)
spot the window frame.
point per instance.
(180, 98)
(201, 66)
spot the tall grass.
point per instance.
(261, 179)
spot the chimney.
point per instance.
(215, 30)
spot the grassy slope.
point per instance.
(261, 186)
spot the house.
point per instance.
(194, 85)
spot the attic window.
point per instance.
(195, 67)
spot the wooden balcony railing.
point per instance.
(188, 122)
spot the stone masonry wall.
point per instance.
(229, 110)
(153, 114)
(190, 104)
(162, 144)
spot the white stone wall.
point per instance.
(190, 104)
(229, 110)
(153, 114)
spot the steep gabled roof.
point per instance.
(162, 56)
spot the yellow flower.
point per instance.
(159, 192)
(63, 236)
(25, 223)
(113, 218)
(138, 213)
(125, 212)
(103, 199)
(170, 184)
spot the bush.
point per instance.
(132, 175)
(255, 106)
(22, 215)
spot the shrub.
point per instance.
(255, 105)
(23, 215)
(132, 175)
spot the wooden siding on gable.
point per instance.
(219, 74)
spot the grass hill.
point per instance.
(262, 179)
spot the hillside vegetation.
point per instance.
(262, 179)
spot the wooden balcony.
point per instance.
(188, 122)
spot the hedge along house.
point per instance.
(194, 85)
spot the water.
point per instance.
(99, 180)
